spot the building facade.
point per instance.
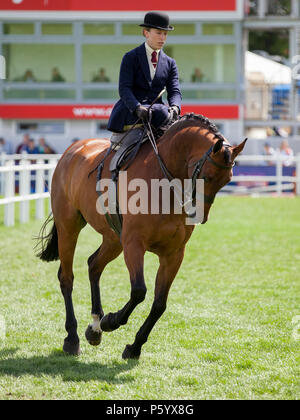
(62, 60)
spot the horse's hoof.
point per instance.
(71, 348)
(129, 353)
(93, 337)
(108, 323)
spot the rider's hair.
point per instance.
(145, 29)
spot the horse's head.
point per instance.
(215, 168)
(196, 143)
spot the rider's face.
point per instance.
(156, 38)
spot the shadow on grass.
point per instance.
(67, 367)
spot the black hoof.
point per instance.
(130, 353)
(108, 323)
(93, 337)
(71, 348)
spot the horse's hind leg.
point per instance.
(134, 257)
(108, 251)
(169, 266)
(68, 232)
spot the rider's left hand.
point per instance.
(174, 112)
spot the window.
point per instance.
(99, 29)
(215, 62)
(40, 127)
(280, 7)
(36, 62)
(217, 29)
(131, 29)
(207, 95)
(57, 29)
(18, 29)
(183, 29)
(101, 63)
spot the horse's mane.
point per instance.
(190, 120)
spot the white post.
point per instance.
(298, 174)
(24, 182)
(2, 163)
(279, 175)
(9, 191)
(50, 176)
(39, 189)
(262, 8)
(295, 9)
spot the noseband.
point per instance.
(209, 199)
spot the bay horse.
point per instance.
(190, 141)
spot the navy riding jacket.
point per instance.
(137, 88)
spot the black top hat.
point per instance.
(157, 20)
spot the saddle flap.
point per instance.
(129, 142)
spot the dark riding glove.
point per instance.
(174, 112)
(142, 112)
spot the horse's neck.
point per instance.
(176, 151)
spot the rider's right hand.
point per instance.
(142, 112)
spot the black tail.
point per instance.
(47, 244)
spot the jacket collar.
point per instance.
(141, 50)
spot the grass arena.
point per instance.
(231, 329)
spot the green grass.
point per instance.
(227, 332)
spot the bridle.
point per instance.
(209, 199)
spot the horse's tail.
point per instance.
(47, 244)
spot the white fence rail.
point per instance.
(266, 184)
(32, 173)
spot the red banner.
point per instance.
(119, 5)
(102, 112)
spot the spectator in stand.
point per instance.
(101, 77)
(56, 76)
(269, 151)
(43, 147)
(32, 148)
(49, 150)
(5, 147)
(286, 151)
(197, 76)
(23, 147)
(28, 76)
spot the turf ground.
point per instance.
(230, 330)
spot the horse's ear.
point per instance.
(218, 146)
(238, 149)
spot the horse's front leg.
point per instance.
(169, 266)
(134, 252)
(108, 251)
